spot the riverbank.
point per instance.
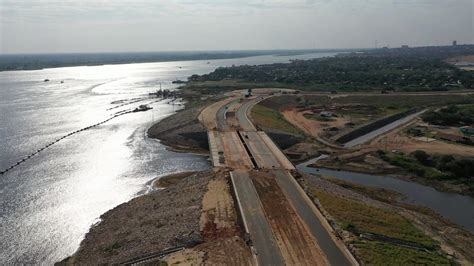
(162, 219)
(379, 229)
(182, 131)
(372, 165)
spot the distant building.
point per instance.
(455, 43)
(405, 46)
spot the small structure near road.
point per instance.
(249, 93)
(326, 114)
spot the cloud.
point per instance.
(106, 25)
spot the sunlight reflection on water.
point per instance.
(50, 201)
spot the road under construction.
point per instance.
(284, 225)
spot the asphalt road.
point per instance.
(295, 195)
(255, 221)
(260, 151)
(221, 115)
(244, 121)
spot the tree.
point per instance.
(422, 157)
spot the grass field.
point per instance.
(380, 194)
(271, 118)
(378, 253)
(358, 217)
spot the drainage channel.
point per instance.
(252, 159)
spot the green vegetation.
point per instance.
(357, 217)
(379, 253)
(270, 118)
(368, 219)
(405, 102)
(434, 167)
(453, 115)
(113, 248)
(380, 194)
(354, 72)
(319, 117)
(361, 106)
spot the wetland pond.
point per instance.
(455, 207)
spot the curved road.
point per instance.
(285, 238)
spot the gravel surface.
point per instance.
(146, 224)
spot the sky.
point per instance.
(62, 26)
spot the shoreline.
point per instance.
(122, 230)
(173, 180)
(153, 186)
(439, 186)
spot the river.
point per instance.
(49, 202)
(455, 207)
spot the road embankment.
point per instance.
(181, 131)
(372, 126)
(353, 210)
(147, 224)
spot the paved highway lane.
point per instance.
(274, 229)
(260, 151)
(221, 117)
(255, 221)
(305, 209)
(244, 121)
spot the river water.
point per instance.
(456, 208)
(49, 202)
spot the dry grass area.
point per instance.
(399, 140)
(311, 127)
(271, 118)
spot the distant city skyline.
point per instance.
(52, 26)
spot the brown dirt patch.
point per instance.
(296, 243)
(219, 218)
(400, 141)
(224, 244)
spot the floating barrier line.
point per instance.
(59, 139)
